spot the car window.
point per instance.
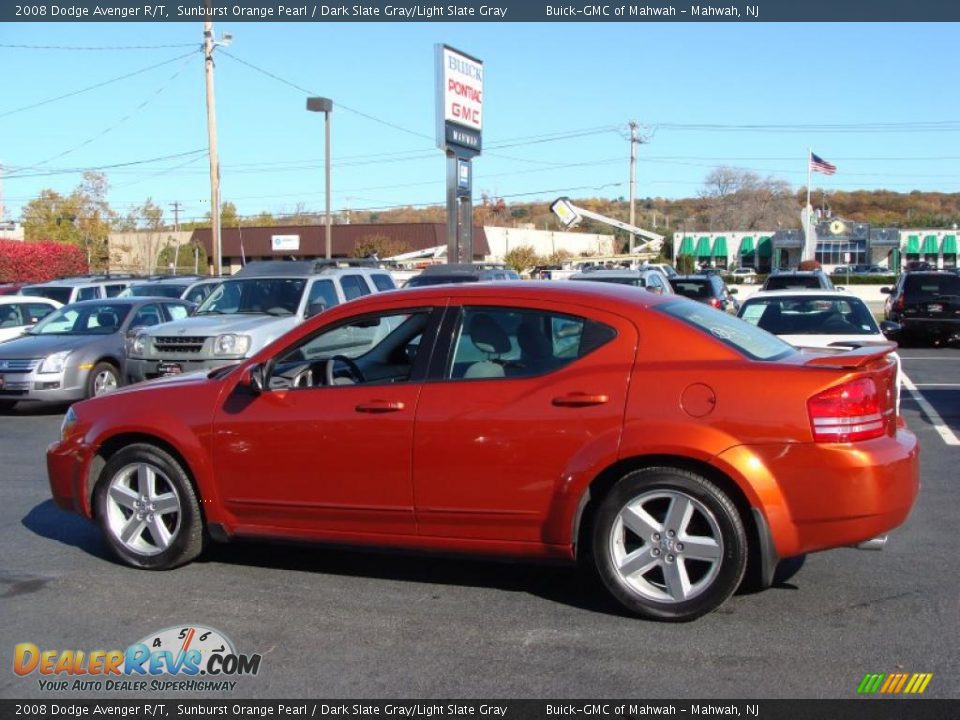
(354, 286)
(370, 349)
(60, 294)
(147, 316)
(199, 293)
(88, 293)
(11, 316)
(743, 337)
(790, 282)
(932, 285)
(34, 312)
(507, 343)
(177, 311)
(98, 319)
(274, 296)
(810, 316)
(322, 291)
(383, 282)
(114, 289)
(695, 289)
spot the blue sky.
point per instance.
(557, 100)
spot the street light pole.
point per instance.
(208, 45)
(324, 105)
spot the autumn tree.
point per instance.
(741, 200)
(522, 258)
(380, 246)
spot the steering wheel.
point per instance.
(356, 374)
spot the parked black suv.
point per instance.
(709, 289)
(461, 273)
(925, 304)
(798, 280)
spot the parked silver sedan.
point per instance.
(78, 351)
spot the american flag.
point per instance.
(818, 164)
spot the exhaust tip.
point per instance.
(876, 543)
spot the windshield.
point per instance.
(423, 280)
(814, 315)
(733, 332)
(695, 289)
(60, 294)
(270, 296)
(634, 281)
(787, 282)
(99, 319)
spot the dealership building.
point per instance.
(833, 242)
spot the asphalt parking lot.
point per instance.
(335, 624)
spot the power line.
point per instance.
(913, 126)
(99, 47)
(95, 86)
(115, 165)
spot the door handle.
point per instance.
(578, 399)
(380, 406)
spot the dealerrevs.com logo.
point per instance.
(198, 658)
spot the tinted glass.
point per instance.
(424, 280)
(788, 282)
(733, 332)
(932, 285)
(503, 342)
(354, 286)
(155, 290)
(635, 281)
(88, 293)
(813, 315)
(114, 290)
(383, 282)
(694, 289)
(60, 294)
(11, 316)
(272, 296)
(322, 291)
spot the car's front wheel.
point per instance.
(668, 544)
(147, 509)
(103, 378)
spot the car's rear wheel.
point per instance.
(147, 509)
(7, 405)
(103, 378)
(668, 544)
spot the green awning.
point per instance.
(913, 245)
(949, 244)
(720, 247)
(686, 247)
(765, 247)
(930, 245)
(746, 245)
(703, 247)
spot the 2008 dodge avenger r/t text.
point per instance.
(660, 440)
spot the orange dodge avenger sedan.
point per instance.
(659, 440)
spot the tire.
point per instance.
(157, 528)
(103, 378)
(682, 558)
(7, 405)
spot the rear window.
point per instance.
(811, 315)
(155, 290)
(932, 285)
(634, 281)
(733, 332)
(383, 282)
(423, 280)
(60, 294)
(792, 282)
(694, 289)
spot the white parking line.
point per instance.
(938, 424)
(920, 385)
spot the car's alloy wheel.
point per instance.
(668, 544)
(104, 378)
(148, 509)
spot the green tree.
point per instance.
(380, 245)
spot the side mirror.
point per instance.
(886, 291)
(733, 291)
(315, 309)
(890, 329)
(253, 379)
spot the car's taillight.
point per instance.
(714, 302)
(898, 304)
(849, 412)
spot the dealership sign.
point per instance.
(284, 243)
(459, 100)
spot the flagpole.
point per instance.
(806, 210)
(809, 163)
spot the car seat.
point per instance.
(488, 337)
(536, 349)
(107, 319)
(771, 319)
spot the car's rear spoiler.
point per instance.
(853, 359)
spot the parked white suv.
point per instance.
(249, 310)
(75, 289)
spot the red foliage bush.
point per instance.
(40, 261)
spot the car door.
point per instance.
(527, 402)
(309, 458)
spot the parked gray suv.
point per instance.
(249, 310)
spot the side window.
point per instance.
(35, 312)
(10, 316)
(370, 349)
(199, 293)
(88, 293)
(354, 286)
(177, 312)
(495, 342)
(322, 292)
(115, 289)
(147, 316)
(383, 282)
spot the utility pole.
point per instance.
(633, 177)
(176, 229)
(208, 46)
